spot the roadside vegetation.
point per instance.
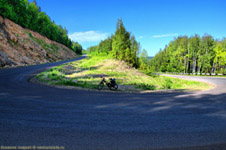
(86, 73)
(195, 54)
(122, 45)
(119, 57)
(199, 75)
(29, 15)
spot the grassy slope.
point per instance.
(86, 73)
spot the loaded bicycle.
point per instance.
(112, 85)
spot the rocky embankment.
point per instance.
(21, 47)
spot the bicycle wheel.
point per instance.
(100, 86)
(115, 87)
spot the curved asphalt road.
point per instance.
(33, 114)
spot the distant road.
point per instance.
(37, 115)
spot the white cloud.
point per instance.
(164, 35)
(88, 36)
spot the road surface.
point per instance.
(33, 114)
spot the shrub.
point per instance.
(30, 34)
(55, 75)
(167, 84)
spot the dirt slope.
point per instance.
(20, 47)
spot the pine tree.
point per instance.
(120, 41)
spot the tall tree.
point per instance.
(208, 55)
(120, 41)
(77, 48)
(143, 60)
(195, 43)
(135, 48)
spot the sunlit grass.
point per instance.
(86, 73)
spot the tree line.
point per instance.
(193, 54)
(122, 46)
(29, 15)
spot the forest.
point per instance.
(193, 54)
(122, 46)
(29, 15)
(184, 54)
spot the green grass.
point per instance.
(50, 48)
(54, 47)
(188, 84)
(86, 73)
(222, 76)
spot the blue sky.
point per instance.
(153, 22)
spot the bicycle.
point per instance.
(112, 85)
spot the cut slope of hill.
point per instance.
(86, 73)
(20, 46)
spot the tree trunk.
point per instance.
(194, 65)
(185, 64)
(199, 68)
(213, 68)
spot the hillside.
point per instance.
(20, 46)
(86, 73)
